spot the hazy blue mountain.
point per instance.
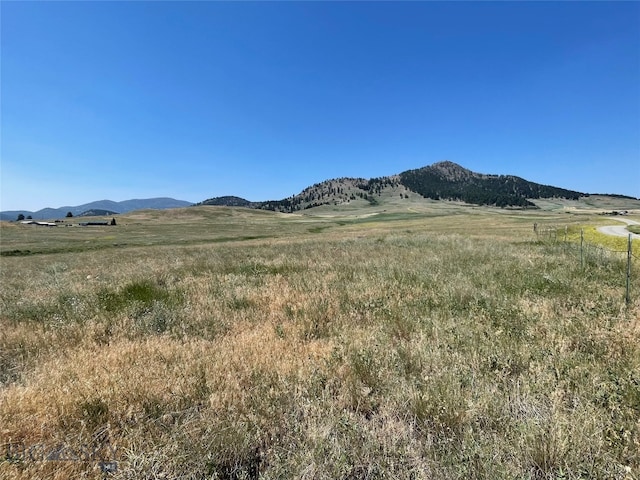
(161, 203)
(106, 205)
(96, 212)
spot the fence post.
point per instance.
(628, 296)
(581, 248)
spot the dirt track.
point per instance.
(620, 230)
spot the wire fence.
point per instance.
(590, 253)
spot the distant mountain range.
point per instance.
(440, 181)
(101, 207)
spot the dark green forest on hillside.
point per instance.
(441, 181)
(498, 190)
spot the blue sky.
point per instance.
(192, 100)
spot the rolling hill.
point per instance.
(440, 181)
(447, 180)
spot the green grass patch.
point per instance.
(152, 306)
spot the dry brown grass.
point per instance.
(397, 349)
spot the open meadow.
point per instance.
(419, 341)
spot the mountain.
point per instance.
(440, 181)
(447, 180)
(105, 205)
(161, 203)
(95, 212)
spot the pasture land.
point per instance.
(428, 341)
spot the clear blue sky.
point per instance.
(192, 100)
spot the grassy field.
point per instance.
(424, 341)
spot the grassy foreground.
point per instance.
(259, 346)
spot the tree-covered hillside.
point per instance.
(449, 181)
(440, 181)
(229, 201)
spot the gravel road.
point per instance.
(620, 230)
